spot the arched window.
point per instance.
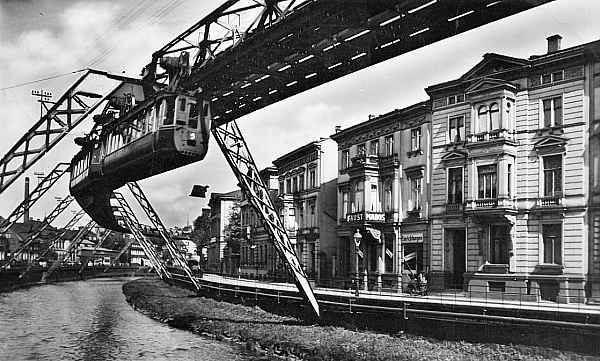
(482, 119)
(494, 116)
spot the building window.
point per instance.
(288, 186)
(375, 202)
(313, 178)
(389, 145)
(456, 129)
(487, 181)
(295, 184)
(281, 189)
(553, 176)
(389, 252)
(415, 139)
(345, 204)
(387, 196)
(552, 240)
(358, 205)
(345, 159)
(488, 118)
(301, 182)
(552, 111)
(374, 147)
(455, 185)
(499, 244)
(361, 149)
(415, 193)
(509, 180)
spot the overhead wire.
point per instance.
(18, 85)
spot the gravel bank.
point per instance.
(271, 337)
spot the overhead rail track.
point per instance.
(287, 47)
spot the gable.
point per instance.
(550, 144)
(489, 84)
(455, 155)
(492, 64)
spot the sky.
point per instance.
(42, 38)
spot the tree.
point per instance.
(201, 232)
(233, 231)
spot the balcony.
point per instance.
(361, 217)
(486, 203)
(365, 160)
(550, 203)
(491, 205)
(454, 208)
(493, 135)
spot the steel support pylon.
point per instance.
(134, 226)
(98, 245)
(42, 187)
(141, 198)
(60, 207)
(229, 138)
(69, 251)
(71, 223)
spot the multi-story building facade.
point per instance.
(221, 205)
(258, 258)
(383, 185)
(511, 154)
(307, 205)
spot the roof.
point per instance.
(298, 152)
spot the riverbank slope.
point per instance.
(264, 333)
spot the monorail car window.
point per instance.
(181, 113)
(193, 119)
(164, 117)
(182, 104)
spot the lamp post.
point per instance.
(357, 238)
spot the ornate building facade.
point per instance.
(512, 152)
(383, 188)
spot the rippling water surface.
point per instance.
(90, 320)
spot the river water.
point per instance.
(90, 320)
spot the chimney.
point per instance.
(26, 210)
(338, 128)
(553, 43)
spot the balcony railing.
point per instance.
(486, 203)
(491, 135)
(454, 208)
(365, 217)
(364, 159)
(550, 201)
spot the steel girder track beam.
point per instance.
(71, 223)
(42, 187)
(143, 201)
(98, 245)
(234, 147)
(60, 207)
(131, 222)
(72, 248)
(68, 112)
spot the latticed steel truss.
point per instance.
(73, 245)
(43, 186)
(124, 212)
(74, 106)
(60, 207)
(54, 240)
(234, 147)
(154, 218)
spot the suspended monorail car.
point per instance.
(140, 140)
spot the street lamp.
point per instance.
(357, 238)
